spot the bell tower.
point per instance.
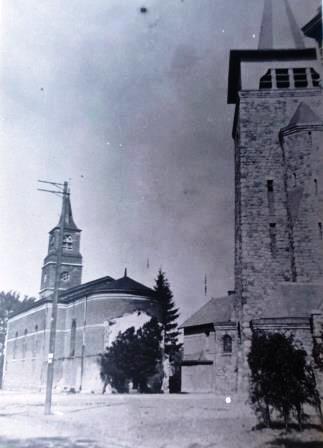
(71, 265)
(277, 134)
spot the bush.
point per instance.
(281, 378)
(133, 357)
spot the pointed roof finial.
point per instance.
(125, 272)
(279, 28)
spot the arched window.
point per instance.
(24, 344)
(73, 338)
(227, 344)
(68, 242)
(35, 342)
(315, 187)
(14, 350)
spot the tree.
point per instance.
(134, 356)
(168, 315)
(10, 303)
(281, 377)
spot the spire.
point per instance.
(69, 223)
(125, 272)
(279, 28)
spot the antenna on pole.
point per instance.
(62, 191)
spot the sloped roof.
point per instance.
(68, 220)
(107, 284)
(128, 285)
(304, 115)
(124, 285)
(295, 300)
(216, 310)
(87, 288)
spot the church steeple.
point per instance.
(68, 220)
(279, 28)
(281, 60)
(71, 266)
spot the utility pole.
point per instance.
(62, 191)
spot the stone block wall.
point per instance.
(263, 247)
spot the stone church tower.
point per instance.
(278, 133)
(71, 267)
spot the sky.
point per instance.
(130, 109)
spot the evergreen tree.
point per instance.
(168, 314)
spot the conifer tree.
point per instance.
(169, 314)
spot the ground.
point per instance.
(145, 421)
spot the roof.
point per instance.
(216, 310)
(313, 28)
(304, 115)
(68, 220)
(295, 300)
(279, 28)
(124, 285)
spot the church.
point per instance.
(278, 149)
(90, 316)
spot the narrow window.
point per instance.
(270, 195)
(265, 81)
(73, 338)
(14, 351)
(315, 187)
(282, 78)
(24, 344)
(227, 344)
(295, 179)
(35, 342)
(320, 231)
(272, 236)
(270, 186)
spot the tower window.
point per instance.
(295, 179)
(300, 78)
(272, 236)
(227, 343)
(68, 242)
(282, 78)
(315, 78)
(266, 81)
(270, 186)
(65, 276)
(73, 338)
(320, 231)
(315, 186)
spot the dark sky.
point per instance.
(131, 108)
